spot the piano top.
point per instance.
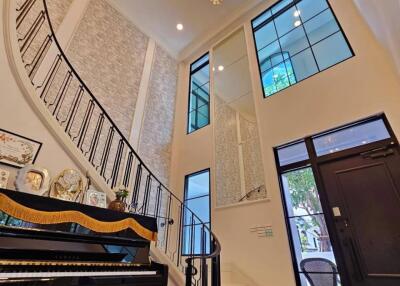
(49, 211)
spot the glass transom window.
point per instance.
(296, 39)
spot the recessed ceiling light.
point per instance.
(179, 27)
(220, 68)
(296, 13)
(297, 23)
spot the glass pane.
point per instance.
(200, 207)
(201, 77)
(320, 279)
(270, 55)
(292, 154)
(294, 42)
(265, 35)
(287, 21)
(304, 65)
(301, 193)
(196, 240)
(321, 26)
(280, 5)
(277, 78)
(192, 121)
(331, 51)
(309, 8)
(351, 137)
(203, 111)
(263, 17)
(198, 185)
(312, 244)
(202, 120)
(199, 62)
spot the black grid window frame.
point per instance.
(313, 163)
(185, 199)
(309, 47)
(190, 129)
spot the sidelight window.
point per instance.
(296, 39)
(199, 96)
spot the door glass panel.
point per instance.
(312, 243)
(310, 237)
(301, 193)
(292, 154)
(352, 136)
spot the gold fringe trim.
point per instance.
(21, 212)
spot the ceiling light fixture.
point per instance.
(297, 23)
(220, 68)
(216, 2)
(179, 27)
(296, 13)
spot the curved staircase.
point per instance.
(71, 111)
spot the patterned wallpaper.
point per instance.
(57, 11)
(228, 183)
(108, 52)
(226, 155)
(252, 160)
(158, 123)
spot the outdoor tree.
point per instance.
(304, 195)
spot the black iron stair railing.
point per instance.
(183, 237)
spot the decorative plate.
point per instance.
(33, 180)
(67, 185)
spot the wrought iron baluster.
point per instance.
(117, 163)
(167, 222)
(146, 194)
(180, 230)
(31, 35)
(48, 80)
(24, 11)
(128, 169)
(96, 137)
(61, 95)
(85, 124)
(158, 201)
(73, 110)
(36, 60)
(136, 187)
(106, 151)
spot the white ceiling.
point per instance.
(201, 19)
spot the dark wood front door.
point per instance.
(363, 192)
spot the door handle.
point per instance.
(358, 274)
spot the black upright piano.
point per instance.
(44, 241)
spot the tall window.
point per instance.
(196, 237)
(296, 39)
(199, 97)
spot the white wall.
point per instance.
(383, 18)
(361, 86)
(17, 115)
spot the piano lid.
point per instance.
(44, 210)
